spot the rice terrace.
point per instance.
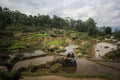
(59, 40)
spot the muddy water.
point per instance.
(69, 49)
(29, 54)
(102, 48)
(36, 53)
(40, 60)
(88, 67)
(112, 64)
(83, 66)
(35, 61)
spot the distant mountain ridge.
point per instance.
(114, 28)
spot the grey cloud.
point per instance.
(105, 12)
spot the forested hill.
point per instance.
(19, 21)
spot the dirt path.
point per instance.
(58, 78)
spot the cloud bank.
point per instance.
(105, 12)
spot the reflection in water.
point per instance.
(28, 54)
(88, 67)
(69, 49)
(36, 53)
(102, 48)
(35, 61)
(69, 69)
(69, 63)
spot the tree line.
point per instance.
(9, 18)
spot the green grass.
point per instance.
(54, 42)
(34, 35)
(17, 45)
(83, 48)
(38, 35)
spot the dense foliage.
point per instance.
(16, 19)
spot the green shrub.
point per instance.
(113, 54)
(55, 68)
(84, 47)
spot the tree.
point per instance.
(8, 18)
(90, 25)
(4, 17)
(108, 30)
(57, 22)
(78, 26)
(0, 9)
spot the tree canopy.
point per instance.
(9, 18)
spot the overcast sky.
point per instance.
(105, 12)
